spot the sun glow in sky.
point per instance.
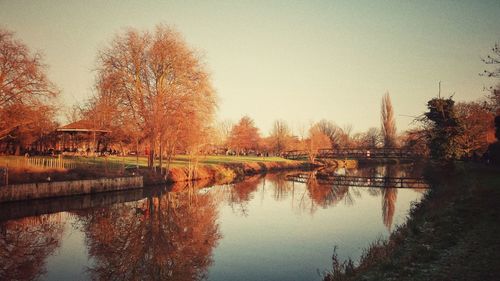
(296, 61)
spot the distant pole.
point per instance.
(439, 92)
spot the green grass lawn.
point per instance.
(130, 161)
(183, 160)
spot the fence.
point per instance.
(93, 164)
(39, 162)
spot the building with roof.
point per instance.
(81, 137)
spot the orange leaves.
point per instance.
(317, 140)
(478, 127)
(244, 135)
(157, 84)
(26, 95)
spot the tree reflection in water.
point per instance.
(26, 243)
(239, 194)
(389, 196)
(170, 237)
(324, 194)
(282, 187)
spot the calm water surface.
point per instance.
(264, 228)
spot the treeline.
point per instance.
(447, 130)
(154, 94)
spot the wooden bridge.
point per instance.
(375, 181)
(357, 153)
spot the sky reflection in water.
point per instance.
(264, 228)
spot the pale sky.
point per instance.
(300, 61)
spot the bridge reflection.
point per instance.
(361, 181)
(329, 188)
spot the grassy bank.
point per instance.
(451, 235)
(182, 168)
(228, 171)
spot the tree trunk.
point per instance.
(137, 153)
(161, 156)
(151, 156)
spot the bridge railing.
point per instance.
(360, 153)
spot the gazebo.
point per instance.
(82, 136)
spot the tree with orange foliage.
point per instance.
(160, 85)
(317, 140)
(244, 136)
(27, 97)
(415, 139)
(478, 128)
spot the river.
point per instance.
(271, 227)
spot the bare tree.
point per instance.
(493, 59)
(280, 136)
(222, 132)
(317, 140)
(73, 113)
(372, 137)
(331, 130)
(346, 136)
(27, 97)
(22, 74)
(388, 122)
(160, 85)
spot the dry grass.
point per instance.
(451, 234)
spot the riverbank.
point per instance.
(79, 176)
(226, 172)
(42, 190)
(46, 169)
(451, 235)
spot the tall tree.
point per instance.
(160, 85)
(27, 97)
(280, 137)
(443, 129)
(244, 136)
(388, 122)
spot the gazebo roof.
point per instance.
(81, 126)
